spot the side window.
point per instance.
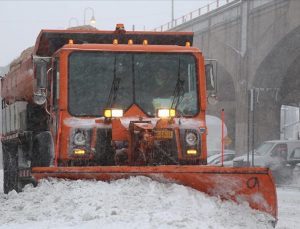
(280, 150)
(296, 154)
(228, 157)
(55, 85)
(192, 81)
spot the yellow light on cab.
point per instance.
(79, 151)
(71, 42)
(130, 42)
(188, 44)
(115, 41)
(191, 152)
(145, 42)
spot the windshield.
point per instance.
(264, 148)
(99, 80)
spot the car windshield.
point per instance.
(99, 80)
(264, 148)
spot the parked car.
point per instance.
(294, 163)
(218, 151)
(275, 155)
(216, 157)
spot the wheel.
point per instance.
(43, 150)
(10, 162)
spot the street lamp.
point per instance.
(73, 19)
(92, 20)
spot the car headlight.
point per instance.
(191, 138)
(79, 138)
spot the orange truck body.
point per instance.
(143, 136)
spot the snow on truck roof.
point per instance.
(49, 41)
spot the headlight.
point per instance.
(79, 139)
(166, 113)
(191, 138)
(113, 113)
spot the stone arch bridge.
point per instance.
(257, 46)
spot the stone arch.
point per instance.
(277, 82)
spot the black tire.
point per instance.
(10, 163)
(43, 150)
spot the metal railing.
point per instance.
(192, 15)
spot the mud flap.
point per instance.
(252, 185)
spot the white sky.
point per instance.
(21, 21)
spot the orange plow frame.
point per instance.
(254, 185)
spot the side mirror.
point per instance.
(41, 64)
(211, 80)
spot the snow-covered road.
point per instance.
(137, 202)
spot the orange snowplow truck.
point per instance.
(107, 105)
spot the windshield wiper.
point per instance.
(178, 94)
(113, 89)
(178, 90)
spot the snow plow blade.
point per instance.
(254, 185)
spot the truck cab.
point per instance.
(106, 98)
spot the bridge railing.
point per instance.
(196, 13)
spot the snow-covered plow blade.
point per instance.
(253, 185)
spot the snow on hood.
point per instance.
(137, 202)
(125, 121)
(185, 123)
(84, 123)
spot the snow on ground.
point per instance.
(137, 202)
(289, 208)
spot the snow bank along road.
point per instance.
(137, 202)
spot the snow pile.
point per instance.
(296, 177)
(138, 202)
(26, 54)
(289, 207)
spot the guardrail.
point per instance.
(196, 13)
